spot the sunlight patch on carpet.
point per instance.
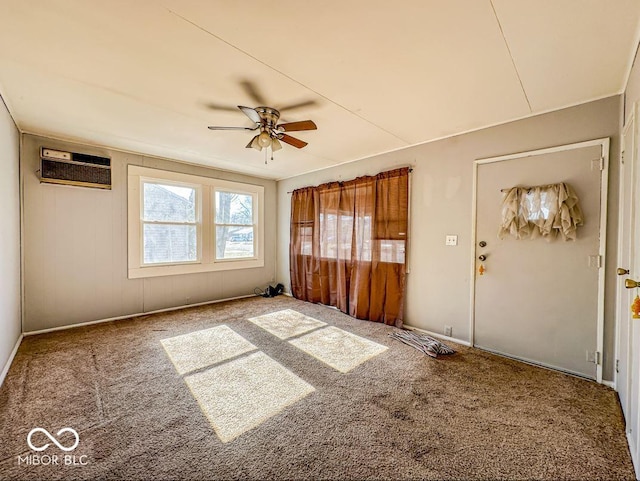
(287, 323)
(239, 395)
(339, 349)
(199, 349)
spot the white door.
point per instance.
(624, 325)
(540, 300)
(632, 414)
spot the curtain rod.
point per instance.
(543, 186)
(410, 170)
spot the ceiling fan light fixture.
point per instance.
(275, 145)
(255, 143)
(264, 139)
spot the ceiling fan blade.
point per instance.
(252, 91)
(292, 141)
(216, 127)
(297, 126)
(275, 145)
(225, 108)
(251, 113)
(299, 105)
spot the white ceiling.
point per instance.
(137, 75)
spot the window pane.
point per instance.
(329, 236)
(363, 238)
(305, 237)
(537, 204)
(232, 208)
(392, 251)
(169, 243)
(169, 203)
(234, 242)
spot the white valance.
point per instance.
(545, 210)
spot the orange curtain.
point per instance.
(348, 244)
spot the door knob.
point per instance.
(631, 284)
(622, 272)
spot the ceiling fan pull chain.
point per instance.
(265, 156)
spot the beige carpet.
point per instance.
(232, 391)
(286, 323)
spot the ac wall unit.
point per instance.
(57, 167)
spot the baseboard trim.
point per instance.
(610, 384)
(129, 316)
(5, 370)
(531, 362)
(439, 336)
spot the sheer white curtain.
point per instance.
(545, 210)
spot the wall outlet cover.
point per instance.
(451, 240)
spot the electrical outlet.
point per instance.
(448, 330)
(451, 240)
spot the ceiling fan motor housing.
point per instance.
(269, 116)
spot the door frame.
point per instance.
(604, 182)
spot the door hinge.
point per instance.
(617, 365)
(595, 261)
(597, 164)
(594, 357)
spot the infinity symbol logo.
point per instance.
(53, 440)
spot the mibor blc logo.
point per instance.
(53, 440)
(38, 442)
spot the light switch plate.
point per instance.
(451, 240)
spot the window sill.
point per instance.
(180, 269)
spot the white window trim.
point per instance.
(205, 189)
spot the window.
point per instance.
(336, 232)
(235, 226)
(305, 237)
(180, 223)
(350, 237)
(537, 204)
(169, 226)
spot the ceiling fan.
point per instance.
(266, 120)
(271, 133)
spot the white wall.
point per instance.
(75, 247)
(438, 285)
(10, 325)
(632, 90)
